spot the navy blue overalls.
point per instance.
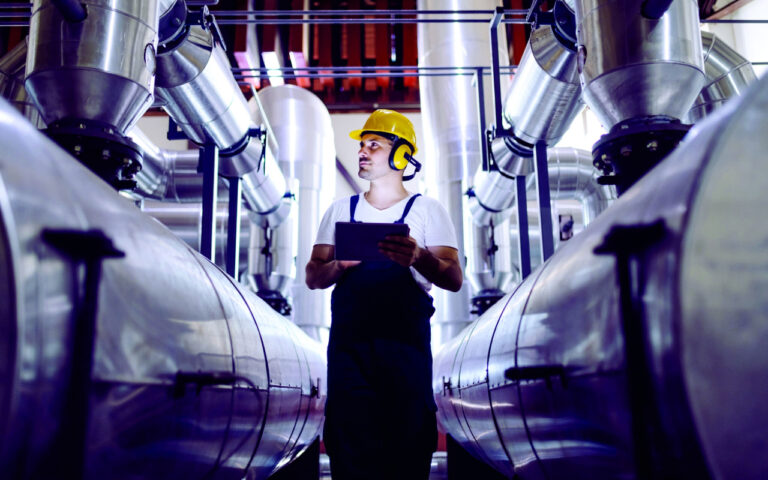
(380, 413)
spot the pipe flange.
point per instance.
(634, 147)
(100, 147)
(172, 23)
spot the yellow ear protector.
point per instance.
(401, 156)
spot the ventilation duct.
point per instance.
(558, 380)
(12, 70)
(451, 130)
(195, 83)
(92, 79)
(251, 391)
(302, 128)
(728, 75)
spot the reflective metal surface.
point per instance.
(162, 309)
(544, 97)
(12, 71)
(627, 62)
(728, 75)
(167, 174)
(490, 272)
(564, 409)
(99, 69)
(451, 143)
(301, 125)
(195, 83)
(184, 220)
(571, 176)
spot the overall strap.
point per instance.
(352, 206)
(408, 208)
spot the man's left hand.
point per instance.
(400, 249)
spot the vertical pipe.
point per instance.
(233, 228)
(523, 242)
(209, 160)
(495, 68)
(481, 117)
(545, 204)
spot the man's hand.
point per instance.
(439, 265)
(322, 270)
(400, 249)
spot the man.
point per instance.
(380, 414)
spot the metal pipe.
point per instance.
(102, 71)
(450, 120)
(627, 61)
(192, 374)
(301, 126)
(72, 10)
(200, 94)
(541, 382)
(728, 75)
(12, 71)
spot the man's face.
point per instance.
(373, 157)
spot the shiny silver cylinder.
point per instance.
(545, 95)
(99, 69)
(162, 309)
(571, 176)
(450, 120)
(301, 126)
(490, 272)
(198, 90)
(728, 75)
(185, 221)
(167, 174)
(631, 66)
(563, 408)
(12, 72)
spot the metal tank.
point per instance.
(191, 375)
(302, 128)
(196, 86)
(12, 72)
(728, 74)
(632, 66)
(100, 69)
(451, 140)
(637, 350)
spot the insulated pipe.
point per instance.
(167, 174)
(101, 69)
(628, 364)
(199, 92)
(451, 143)
(728, 75)
(185, 221)
(627, 61)
(252, 389)
(571, 176)
(301, 125)
(12, 69)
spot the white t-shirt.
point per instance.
(428, 221)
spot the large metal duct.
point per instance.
(199, 92)
(451, 132)
(571, 176)
(628, 62)
(728, 75)
(185, 221)
(302, 127)
(12, 72)
(100, 69)
(253, 393)
(646, 360)
(168, 174)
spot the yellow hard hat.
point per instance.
(388, 122)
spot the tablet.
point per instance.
(360, 241)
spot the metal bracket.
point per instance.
(174, 132)
(544, 201)
(209, 166)
(233, 227)
(90, 248)
(523, 240)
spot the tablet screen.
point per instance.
(360, 241)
